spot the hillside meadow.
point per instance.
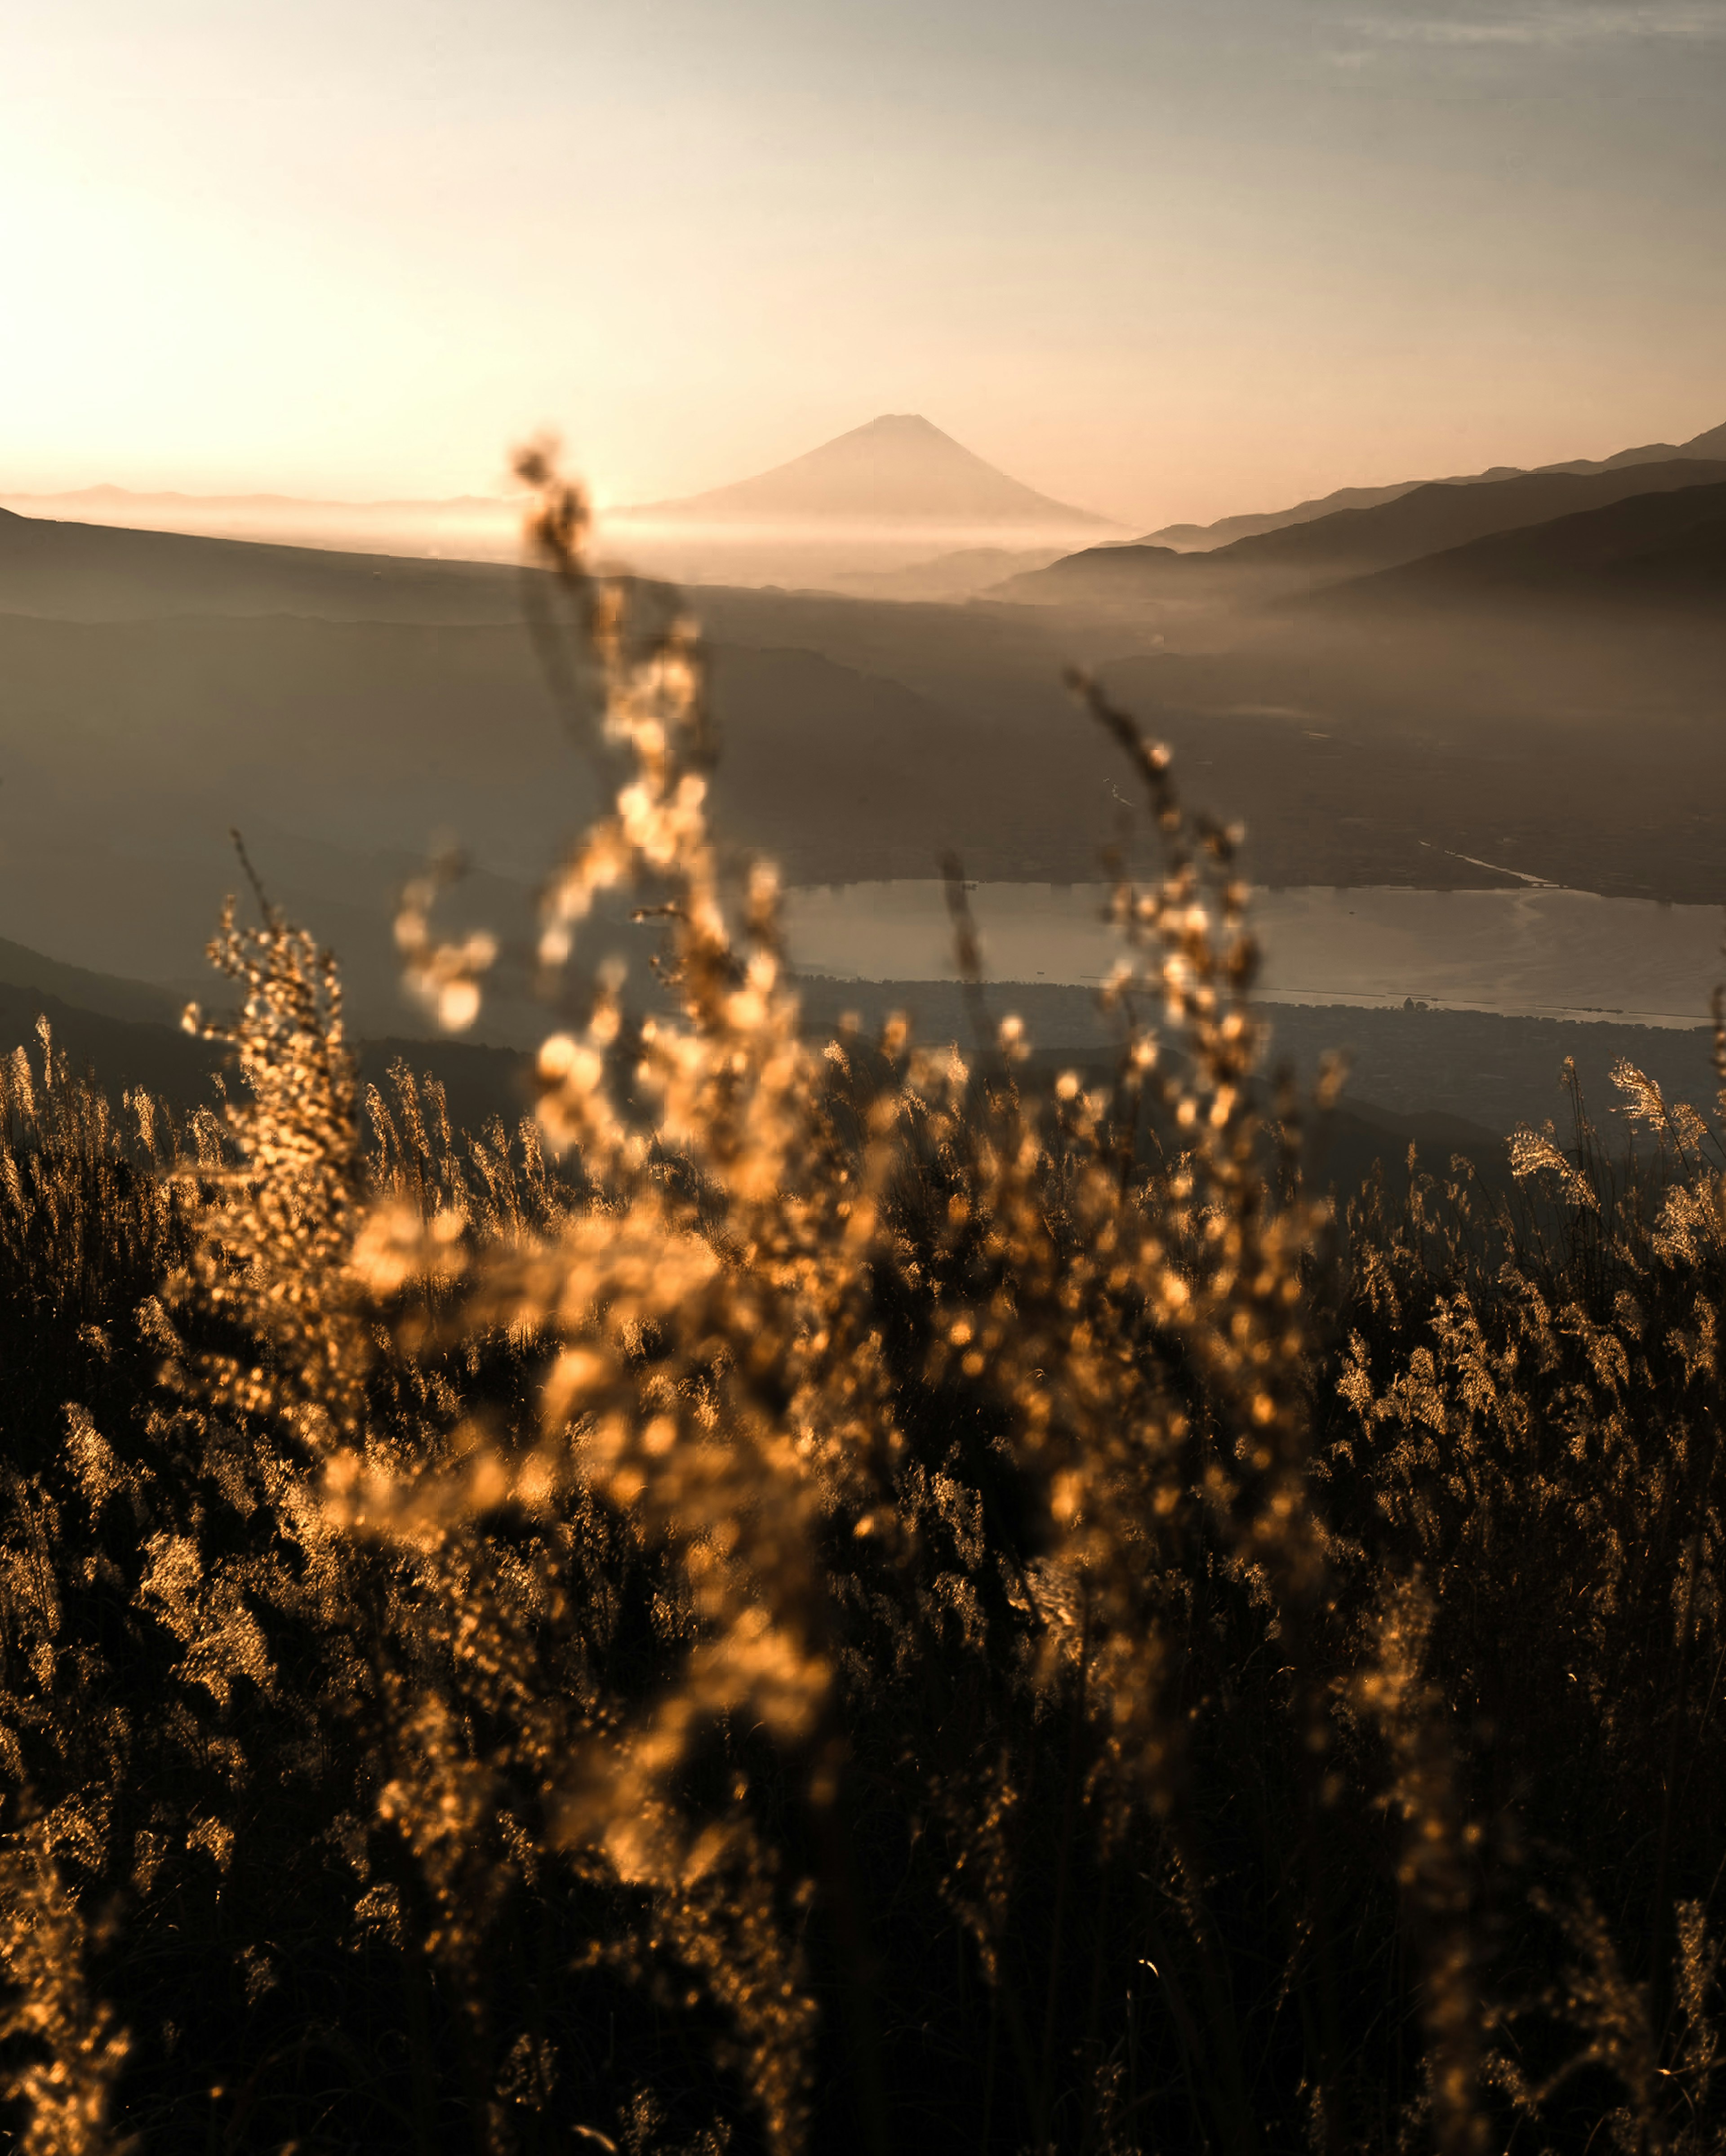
(845, 1594)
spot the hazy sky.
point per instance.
(1163, 259)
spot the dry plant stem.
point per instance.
(737, 1090)
(1069, 1837)
(67, 2089)
(1661, 1938)
(1224, 1042)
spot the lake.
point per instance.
(1533, 952)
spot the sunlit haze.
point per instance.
(1160, 261)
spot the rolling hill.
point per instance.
(106, 572)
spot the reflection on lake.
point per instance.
(1532, 951)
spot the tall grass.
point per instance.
(823, 1595)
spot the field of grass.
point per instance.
(841, 1597)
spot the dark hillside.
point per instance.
(1205, 537)
(1438, 516)
(107, 994)
(1100, 575)
(180, 1071)
(861, 741)
(1423, 520)
(1655, 552)
(129, 745)
(104, 573)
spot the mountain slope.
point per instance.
(125, 501)
(896, 470)
(1109, 576)
(106, 995)
(1662, 552)
(105, 572)
(1208, 538)
(458, 527)
(1710, 444)
(123, 1051)
(1439, 515)
(1429, 520)
(1205, 538)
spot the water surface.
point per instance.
(1534, 952)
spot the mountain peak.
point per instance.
(899, 469)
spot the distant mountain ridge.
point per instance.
(1439, 515)
(1663, 550)
(896, 470)
(1425, 521)
(880, 499)
(1209, 538)
(106, 995)
(1206, 538)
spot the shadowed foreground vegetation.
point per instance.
(844, 1599)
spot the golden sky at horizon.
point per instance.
(1163, 261)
